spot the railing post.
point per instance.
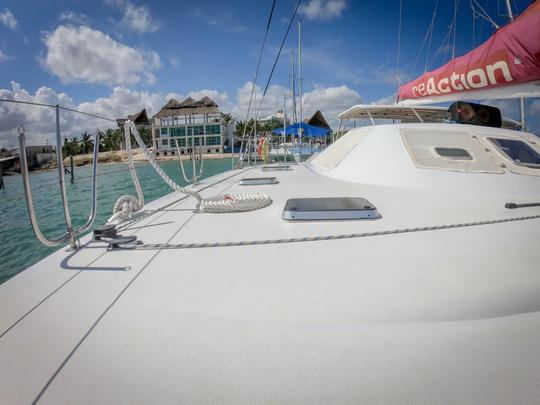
(71, 168)
(63, 194)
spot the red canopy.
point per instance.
(507, 65)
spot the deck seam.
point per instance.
(98, 320)
(161, 211)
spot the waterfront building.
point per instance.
(40, 155)
(275, 119)
(190, 123)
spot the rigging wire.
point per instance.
(473, 25)
(57, 106)
(278, 55)
(484, 14)
(429, 32)
(431, 35)
(456, 5)
(253, 87)
(399, 44)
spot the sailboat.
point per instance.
(399, 265)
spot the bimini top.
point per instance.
(309, 131)
(407, 114)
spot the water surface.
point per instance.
(19, 248)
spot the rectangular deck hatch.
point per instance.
(253, 181)
(316, 209)
(275, 168)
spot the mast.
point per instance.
(293, 83)
(284, 128)
(521, 99)
(510, 13)
(301, 118)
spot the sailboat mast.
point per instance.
(301, 118)
(509, 8)
(521, 99)
(293, 83)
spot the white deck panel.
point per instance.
(445, 316)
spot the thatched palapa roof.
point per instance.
(318, 120)
(189, 106)
(140, 118)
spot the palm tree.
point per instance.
(146, 135)
(86, 143)
(71, 146)
(108, 141)
(226, 119)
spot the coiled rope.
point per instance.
(126, 206)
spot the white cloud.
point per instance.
(322, 10)
(222, 19)
(388, 100)
(123, 101)
(74, 18)
(81, 54)
(8, 19)
(329, 100)
(40, 121)
(135, 18)
(4, 57)
(174, 61)
(138, 18)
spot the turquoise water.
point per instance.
(18, 246)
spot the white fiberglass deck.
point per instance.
(445, 316)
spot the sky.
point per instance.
(114, 57)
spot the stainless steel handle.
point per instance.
(71, 234)
(196, 177)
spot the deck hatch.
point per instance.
(254, 181)
(321, 209)
(453, 153)
(275, 168)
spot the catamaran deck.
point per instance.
(406, 317)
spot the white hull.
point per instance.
(419, 316)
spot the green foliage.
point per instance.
(226, 119)
(263, 128)
(111, 140)
(71, 147)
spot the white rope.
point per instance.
(153, 246)
(234, 203)
(126, 206)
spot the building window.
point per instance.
(182, 142)
(518, 151)
(198, 130)
(164, 131)
(165, 142)
(213, 129)
(178, 131)
(194, 141)
(213, 140)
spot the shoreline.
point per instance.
(121, 157)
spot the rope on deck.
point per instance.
(159, 246)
